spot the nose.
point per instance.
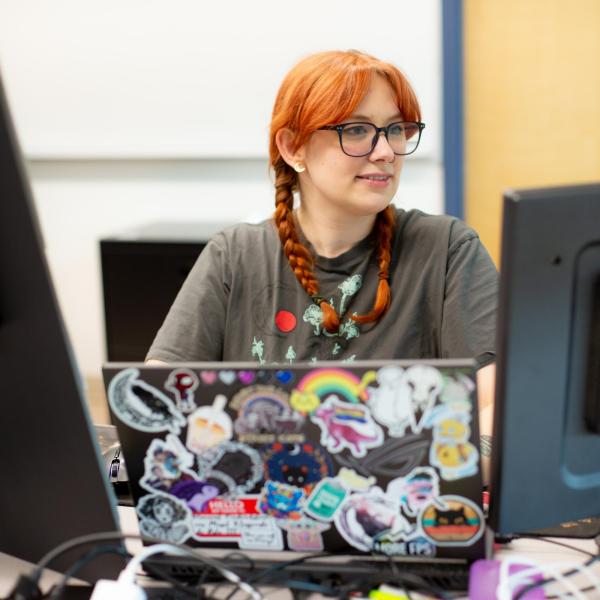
(382, 151)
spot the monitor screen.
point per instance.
(546, 457)
(53, 488)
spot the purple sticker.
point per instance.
(246, 377)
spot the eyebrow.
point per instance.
(396, 117)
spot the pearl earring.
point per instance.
(299, 167)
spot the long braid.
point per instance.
(298, 255)
(383, 297)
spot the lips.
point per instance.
(375, 177)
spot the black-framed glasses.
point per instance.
(360, 138)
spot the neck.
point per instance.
(331, 237)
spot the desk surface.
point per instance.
(538, 551)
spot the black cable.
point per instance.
(419, 584)
(283, 565)
(585, 589)
(50, 556)
(556, 543)
(155, 571)
(90, 555)
(394, 569)
(53, 554)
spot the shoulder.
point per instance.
(428, 230)
(242, 237)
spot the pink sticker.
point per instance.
(208, 377)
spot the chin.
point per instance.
(370, 206)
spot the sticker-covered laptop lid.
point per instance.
(357, 457)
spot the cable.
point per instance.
(547, 580)
(127, 576)
(155, 571)
(58, 590)
(53, 554)
(555, 542)
(283, 565)
(50, 556)
(419, 584)
(518, 578)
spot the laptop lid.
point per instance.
(350, 458)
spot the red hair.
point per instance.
(320, 90)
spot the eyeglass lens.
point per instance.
(358, 138)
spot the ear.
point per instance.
(284, 139)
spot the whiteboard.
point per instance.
(189, 78)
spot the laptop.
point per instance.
(367, 459)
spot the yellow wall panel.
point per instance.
(532, 101)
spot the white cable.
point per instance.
(504, 589)
(554, 570)
(127, 576)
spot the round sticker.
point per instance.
(452, 521)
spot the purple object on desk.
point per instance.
(485, 574)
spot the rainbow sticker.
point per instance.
(317, 385)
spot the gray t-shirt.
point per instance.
(242, 302)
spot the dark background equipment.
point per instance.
(142, 271)
(546, 456)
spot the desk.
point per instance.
(528, 549)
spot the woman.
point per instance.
(344, 275)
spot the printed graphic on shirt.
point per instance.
(258, 350)
(349, 287)
(313, 315)
(285, 321)
(280, 321)
(272, 310)
(142, 406)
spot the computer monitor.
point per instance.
(53, 488)
(546, 456)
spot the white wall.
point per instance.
(93, 179)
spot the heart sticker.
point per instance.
(227, 377)
(284, 376)
(208, 377)
(246, 377)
